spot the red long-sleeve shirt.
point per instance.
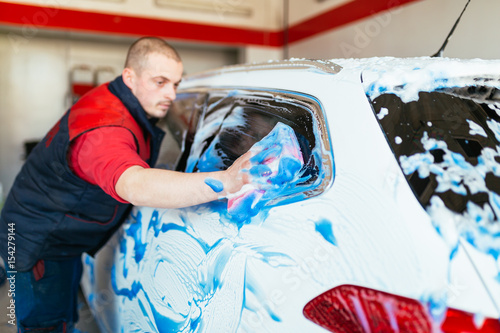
(101, 156)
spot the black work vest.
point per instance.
(54, 213)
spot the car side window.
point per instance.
(214, 127)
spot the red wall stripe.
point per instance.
(38, 17)
(339, 16)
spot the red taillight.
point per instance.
(352, 309)
(460, 321)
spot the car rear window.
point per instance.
(447, 143)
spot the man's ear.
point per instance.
(128, 76)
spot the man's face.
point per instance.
(156, 85)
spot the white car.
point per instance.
(387, 221)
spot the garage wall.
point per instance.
(415, 29)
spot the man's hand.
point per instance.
(237, 174)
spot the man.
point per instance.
(78, 184)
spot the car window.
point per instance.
(212, 128)
(447, 143)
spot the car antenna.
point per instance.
(440, 52)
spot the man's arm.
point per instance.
(171, 189)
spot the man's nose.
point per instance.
(170, 92)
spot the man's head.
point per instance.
(153, 70)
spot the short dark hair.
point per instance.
(141, 48)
